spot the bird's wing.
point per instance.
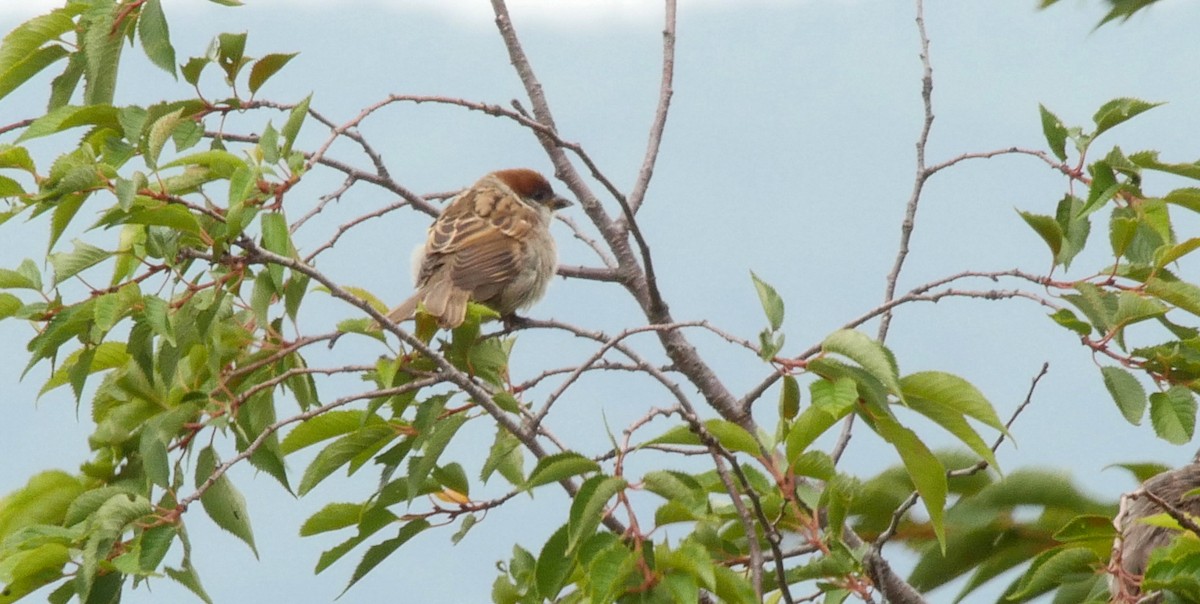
(478, 241)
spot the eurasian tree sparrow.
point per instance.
(492, 245)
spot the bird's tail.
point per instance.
(405, 310)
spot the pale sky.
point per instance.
(789, 152)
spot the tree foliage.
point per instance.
(175, 319)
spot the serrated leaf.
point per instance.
(832, 401)
(155, 36)
(264, 68)
(1127, 392)
(869, 354)
(102, 42)
(1055, 133)
(160, 133)
(21, 46)
(291, 128)
(1173, 414)
(1067, 319)
(332, 517)
(193, 68)
(923, 467)
(553, 565)
(1169, 254)
(378, 553)
(1048, 229)
(69, 264)
(1180, 294)
(558, 466)
(587, 508)
(342, 451)
(772, 304)
(1118, 111)
(222, 501)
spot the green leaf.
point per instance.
(1117, 111)
(1169, 254)
(587, 508)
(1181, 294)
(789, 397)
(553, 565)
(33, 64)
(69, 264)
(230, 54)
(155, 36)
(159, 133)
(266, 67)
(70, 116)
(1127, 392)
(1173, 414)
(291, 128)
(222, 501)
(102, 42)
(831, 402)
(1055, 132)
(1075, 227)
(378, 553)
(868, 353)
(1048, 229)
(44, 499)
(1067, 319)
(193, 68)
(332, 517)
(772, 304)
(1087, 527)
(343, 450)
(1048, 569)
(558, 466)
(21, 48)
(924, 468)
(946, 399)
(504, 456)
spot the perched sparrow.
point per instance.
(1138, 539)
(492, 245)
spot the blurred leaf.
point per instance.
(1085, 528)
(1049, 569)
(23, 52)
(1067, 319)
(291, 128)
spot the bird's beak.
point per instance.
(558, 203)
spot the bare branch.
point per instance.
(638, 194)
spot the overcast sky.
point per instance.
(789, 152)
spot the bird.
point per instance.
(491, 245)
(1138, 539)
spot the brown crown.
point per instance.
(525, 182)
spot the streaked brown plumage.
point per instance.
(492, 244)
(1139, 539)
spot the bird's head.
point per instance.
(531, 187)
